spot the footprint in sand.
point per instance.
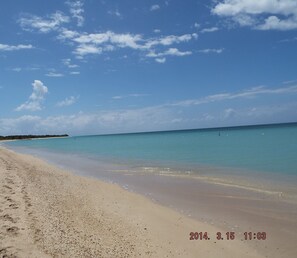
(13, 206)
(13, 230)
(4, 252)
(9, 181)
(6, 217)
(7, 198)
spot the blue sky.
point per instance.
(92, 67)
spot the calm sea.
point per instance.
(269, 148)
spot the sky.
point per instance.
(102, 66)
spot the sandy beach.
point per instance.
(48, 212)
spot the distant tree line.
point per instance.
(29, 136)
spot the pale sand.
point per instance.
(47, 212)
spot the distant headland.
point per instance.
(28, 137)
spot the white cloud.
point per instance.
(97, 43)
(250, 93)
(157, 31)
(117, 97)
(128, 120)
(108, 41)
(289, 81)
(115, 13)
(260, 14)
(162, 117)
(160, 57)
(161, 60)
(20, 125)
(288, 40)
(54, 74)
(169, 40)
(36, 98)
(211, 50)
(212, 29)
(65, 34)
(4, 47)
(75, 73)
(169, 52)
(43, 25)
(176, 52)
(76, 10)
(273, 22)
(84, 49)
(16, 69)
(134, 95)
(67, 101)
(197, 25)
(155, 7)
(229, 113)
(67, 62)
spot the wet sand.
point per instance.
(48, 212)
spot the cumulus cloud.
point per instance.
(76, 10)
(169, 40)
(67, 62)
(150, 118)
(85, 49)
(197, 25)
(67, 101)
(162, 117)
(211, 50)
(273, 22)
(97, 43)
(160, 57)
(260, 14)
(21, 125)
(161, 60)
(155, 7)
(169, 52)
(4, 47)
(43, 25)
(212, 29)
(36, 98)
(65, 34)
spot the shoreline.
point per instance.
(167, 231)
(282, 187)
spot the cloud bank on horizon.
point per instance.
(101, 67)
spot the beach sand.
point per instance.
(48, 212)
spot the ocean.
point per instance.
(259, 148)
(201, 173)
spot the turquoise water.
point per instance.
(270, 148)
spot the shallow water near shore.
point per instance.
(259, 159)
(241, 180)
(234, 202)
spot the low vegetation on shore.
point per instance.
(22, 137)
